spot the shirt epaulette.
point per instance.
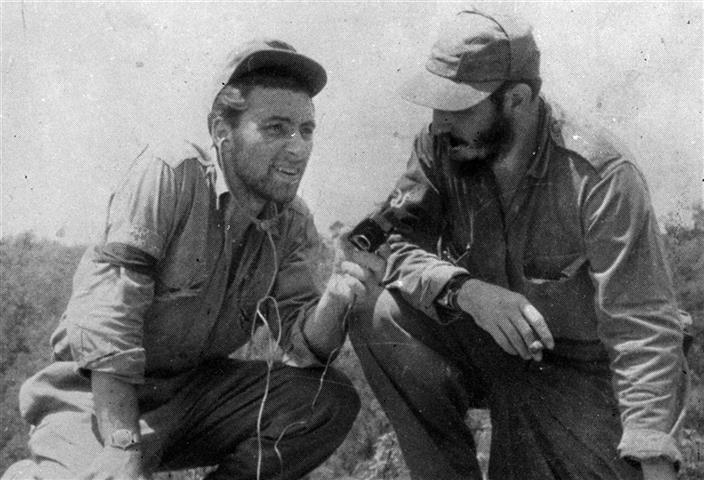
(592, 144)
(175, 156)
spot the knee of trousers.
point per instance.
(375, 322)
(22, 470)
(338, 401)
(336, 405)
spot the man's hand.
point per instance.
(356, 277)
(116, 464)
(658, 469)
(355, 283)
(508, 317)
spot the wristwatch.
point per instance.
(124, 439)
(448, 295)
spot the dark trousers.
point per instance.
(211, 419)
(556, 419)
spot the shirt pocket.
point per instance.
(560, 288)
(183, 275)
(559, 267)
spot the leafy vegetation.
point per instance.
(35, 284)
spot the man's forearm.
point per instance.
(325, 330)
(115, 405)
(658, 469)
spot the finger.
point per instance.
(516, 337)
(394, 238)
(384, 251)
(355, 289)
(503, 341)
(372, 261)
(357, 271)
(341, 282)
(528, 336)
(538, 324)
(536, 350)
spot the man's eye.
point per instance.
(307, 132)
(275, 130)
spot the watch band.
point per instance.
(124, 439)
(448, 296)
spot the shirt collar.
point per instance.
(215, 173)
(220, 186)
(539, 166)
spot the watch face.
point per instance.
(123, 438)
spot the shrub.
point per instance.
(35, 283)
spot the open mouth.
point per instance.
(288, 172)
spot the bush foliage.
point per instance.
(35, 284)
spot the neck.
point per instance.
(245, 200)
(511, 167)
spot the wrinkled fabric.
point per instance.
(579, 240)
(204, 417)
(188, 301)
(551, 420)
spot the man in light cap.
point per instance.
(200, 249)
(527, 277)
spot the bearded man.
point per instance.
(201, 248)
(527, 276)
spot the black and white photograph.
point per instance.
(352, 240)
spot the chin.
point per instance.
(281, 195)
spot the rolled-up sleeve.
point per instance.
(413, 269)
(637, 313)
(105, 316)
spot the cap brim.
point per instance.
(440, 93)
(310, 72)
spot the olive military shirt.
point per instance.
(579, 240)
(167, 289)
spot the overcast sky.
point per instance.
(85, 86)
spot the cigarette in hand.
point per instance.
(536, 348)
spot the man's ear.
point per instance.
(517, 98)
(219, 129)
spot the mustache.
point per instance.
(454, 142)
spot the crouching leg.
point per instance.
(259, 426)
(423, 386)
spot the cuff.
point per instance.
(126, 365)
(644, 443)
(442, 275)
(434, 281)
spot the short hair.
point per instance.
(497, 95)
(231, 100)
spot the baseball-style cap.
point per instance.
(473, 56)
(276, 55)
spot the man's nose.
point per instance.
(297, 145)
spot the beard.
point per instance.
(267, 185)
(257, 176)
(466, 158)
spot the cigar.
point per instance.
(536, 347)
